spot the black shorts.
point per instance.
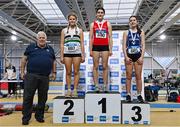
(100, 48)
(72, 55)
(134, 57)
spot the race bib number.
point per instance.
(71, 48)
(101, 34)
(134, 50)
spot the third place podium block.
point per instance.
(103, 107)
(135, 113)
(68, 110)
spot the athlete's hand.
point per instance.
(62, 60)
(91, 53)
(110, 53)
(128, 60)
(140, 61)
(82, 59)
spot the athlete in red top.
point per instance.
(100, 33)
(100, 45)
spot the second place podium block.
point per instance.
(68, 110)
(103, 107)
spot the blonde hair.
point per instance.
(41, 32)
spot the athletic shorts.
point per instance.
(134, 57)
(72, 55)
(100, 48)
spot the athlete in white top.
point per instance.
(72, 52)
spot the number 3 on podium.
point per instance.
(137, 110)
(135, 113)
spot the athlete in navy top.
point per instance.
(133, 48)
(133, 45)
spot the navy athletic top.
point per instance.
(133, 44)
(39, 60)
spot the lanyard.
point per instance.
(133, 38)
(100, 27)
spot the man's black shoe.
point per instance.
(128, 98)
(25, 122)
(40, 120)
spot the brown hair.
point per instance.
(138, 29)
(72, 14)
(100, 8)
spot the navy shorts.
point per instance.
(134, 57)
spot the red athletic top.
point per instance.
(101, 35)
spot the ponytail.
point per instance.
(76, 29)
(138, 29)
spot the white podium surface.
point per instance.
(103, 107)
(135, 113)
(68, 110)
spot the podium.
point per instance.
(100, 108)
(68, 110)
(103, 107)
(135, 113)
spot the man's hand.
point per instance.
(22, 75)
(53, 77)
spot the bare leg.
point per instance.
(76, 65)
(138, 71)
(95, 67)
(105, 57)
(129, 69)
(68, 65)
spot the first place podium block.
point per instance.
(103, 107)
(68, 110)
(135, 113)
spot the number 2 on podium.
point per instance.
(67, 111)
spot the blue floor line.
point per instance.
(165, 105)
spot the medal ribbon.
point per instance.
(100, 27)
(133, 38)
